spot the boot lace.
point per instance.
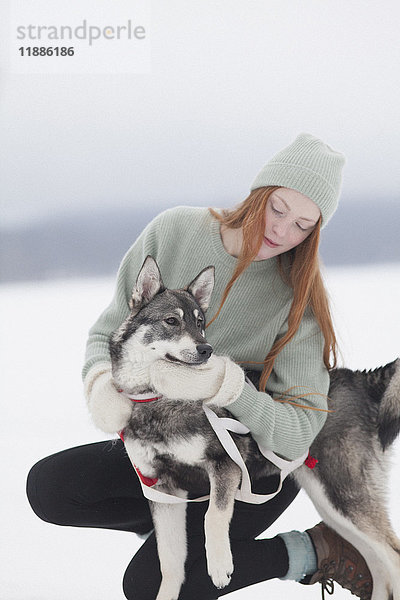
(328, 587)
(327, 583)
(328, 572)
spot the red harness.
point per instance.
(310, 461)
(149, 481)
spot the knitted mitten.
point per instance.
(109, 409)
(219, 381)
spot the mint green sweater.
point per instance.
(185, 240)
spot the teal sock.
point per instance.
(302, 558)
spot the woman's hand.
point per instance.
(219, 381)
(109, 409)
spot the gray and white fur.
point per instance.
(174, 442)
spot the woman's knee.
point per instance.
(47, 490)
(38, 492)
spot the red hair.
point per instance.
(300, 268)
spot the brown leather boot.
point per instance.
(338, 561)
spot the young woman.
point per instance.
(268, 311)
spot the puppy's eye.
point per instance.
(171, 321)
(200, 323)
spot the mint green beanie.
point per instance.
(310, 167)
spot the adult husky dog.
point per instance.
(175, 450)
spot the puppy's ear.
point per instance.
(202, 286)
(148, 284)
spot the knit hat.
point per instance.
(310, 167)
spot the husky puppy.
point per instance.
(175, 450)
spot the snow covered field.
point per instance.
(43, 331)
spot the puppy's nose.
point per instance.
(205, 351)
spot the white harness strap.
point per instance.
(222, 426)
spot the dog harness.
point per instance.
(222, 426)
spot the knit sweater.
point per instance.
(185, 240)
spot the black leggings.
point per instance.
(95, 486)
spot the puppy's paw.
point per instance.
(219, 561)
(221, 571)
(218, 548)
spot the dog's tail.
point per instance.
(387, 378)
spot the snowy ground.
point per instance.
(43, 330)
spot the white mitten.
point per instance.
(219, 381)
(109, 409)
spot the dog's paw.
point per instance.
(221, 574)
(220, 567)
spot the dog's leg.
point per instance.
(375, 541)
(224, 481)
(170, 528)
(379, 536)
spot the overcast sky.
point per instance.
(230, 84)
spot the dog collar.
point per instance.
(149, 397)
